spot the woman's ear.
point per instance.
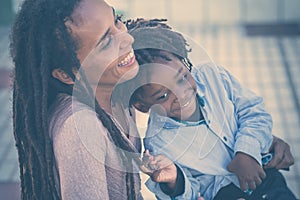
(62, 76)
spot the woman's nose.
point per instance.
(125, 40)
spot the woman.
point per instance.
(80, 48)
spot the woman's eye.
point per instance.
(105, 43)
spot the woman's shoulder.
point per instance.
(74, 125)
(66, 107)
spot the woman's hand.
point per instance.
(248, 170)
(282, 158)
(160, 168)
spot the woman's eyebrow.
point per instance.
(108, 30)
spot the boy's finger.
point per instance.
(146, 170)
(243, 185)
(146, 152)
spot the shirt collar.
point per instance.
(199, 81)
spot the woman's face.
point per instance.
(104, 46)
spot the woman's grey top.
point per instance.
(88, 164)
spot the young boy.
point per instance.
(203, 119)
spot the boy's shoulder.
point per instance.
(208, 71)
(206, 67)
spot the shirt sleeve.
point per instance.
(254, 134)
(80, 156)
(190, 184)
(191, 187)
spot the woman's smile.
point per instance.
(128, 60)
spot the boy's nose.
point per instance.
(179, 96)
(180, 91)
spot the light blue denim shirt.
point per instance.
(235, 120)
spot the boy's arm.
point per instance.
(186, 186)
(248, 170)
(172, 181)
(254, 135)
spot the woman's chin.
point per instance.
(131, 73)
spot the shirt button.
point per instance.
(208, 121)
(202, 102)
(225, 138)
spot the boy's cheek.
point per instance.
(141, 107)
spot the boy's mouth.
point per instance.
(186, 103)
(190, 98)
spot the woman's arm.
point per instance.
(282, 156)
(254, 134)
(80, 156)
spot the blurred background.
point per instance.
(256, 40)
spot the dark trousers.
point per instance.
(273, 187)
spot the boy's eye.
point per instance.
(182, 79)
(164, 96)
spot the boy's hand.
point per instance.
(282, 158)
(248, 170)
(160, 168)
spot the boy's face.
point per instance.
(171, 90)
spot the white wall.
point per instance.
(212, 11)
(208, 11)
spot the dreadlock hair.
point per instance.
(41, 42)
(153, 40)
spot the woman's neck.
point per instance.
(103, 96)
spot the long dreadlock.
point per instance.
(41, 42)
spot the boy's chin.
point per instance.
(183, 117)
(190, 116)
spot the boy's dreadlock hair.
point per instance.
(153, 36)
(41, 42)
(152, 40)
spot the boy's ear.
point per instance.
(62, 76)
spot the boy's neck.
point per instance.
(197, 115)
